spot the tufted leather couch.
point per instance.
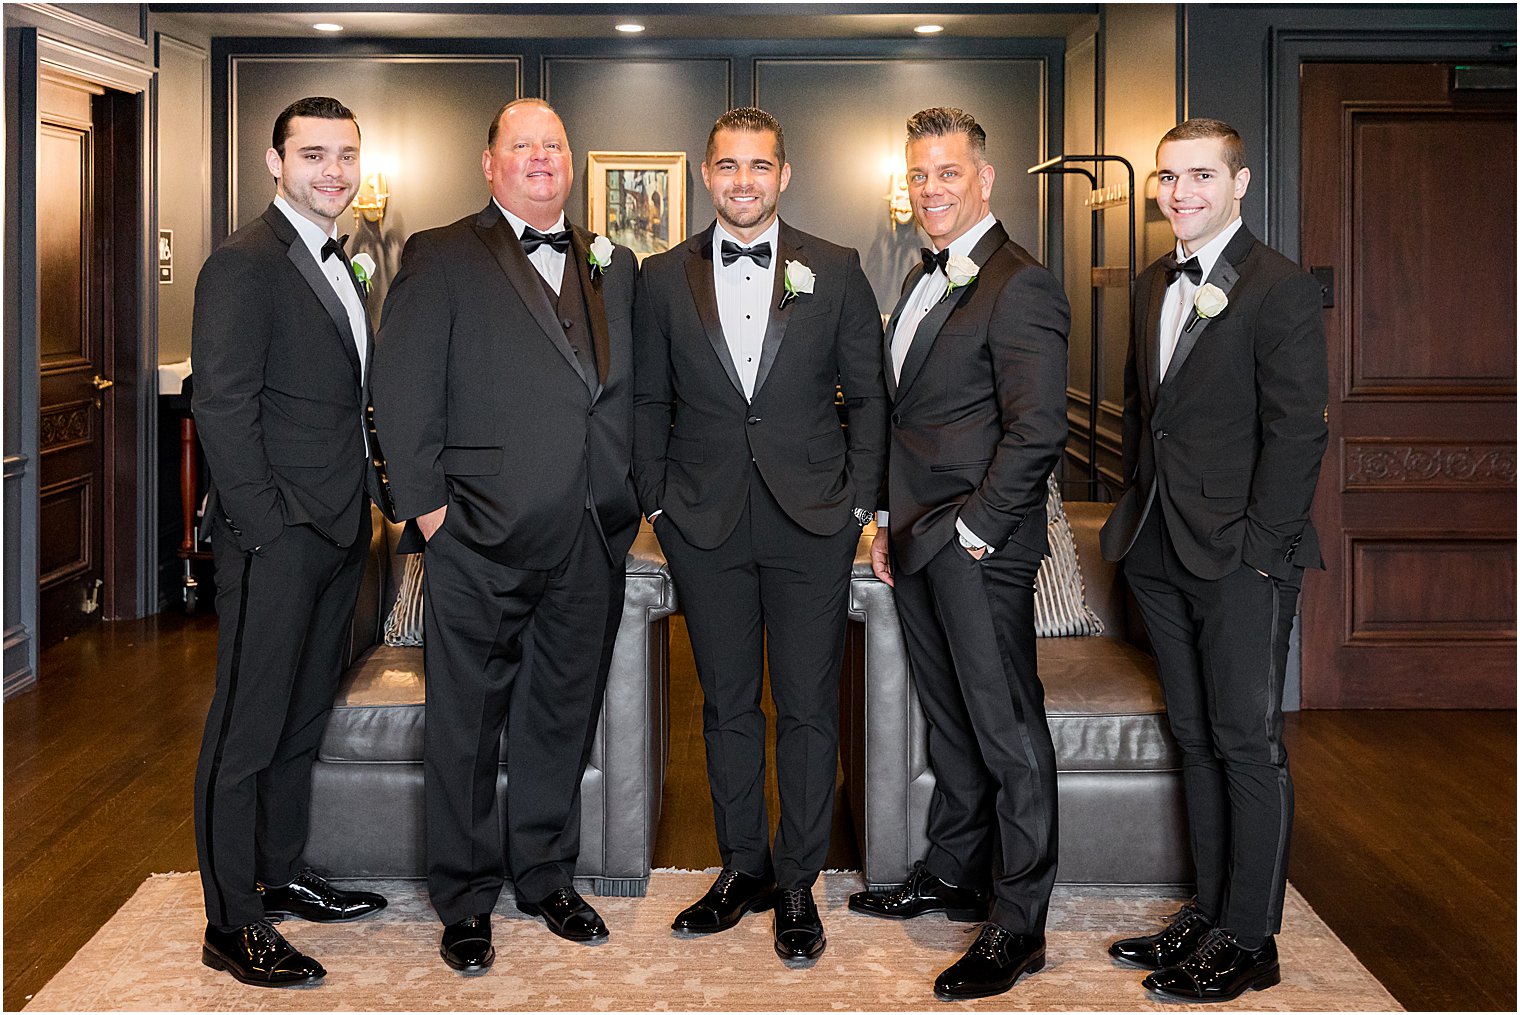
(1118, 769)
(366, 810)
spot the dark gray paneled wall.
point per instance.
(184, 185)
(422, 118)
(842, 118)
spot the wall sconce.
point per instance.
(371, 200)
(899, 208)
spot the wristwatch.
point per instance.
(862, 515)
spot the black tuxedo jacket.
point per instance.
(695, 435)
(1228, 445)
(279, 396)
(979, 413)
(480, 402)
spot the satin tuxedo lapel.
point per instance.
(300, 256)
(1149, 354)
(1224, 276)
(496, 233)
(934, 320)
(580, 253)
(789, 244)
(902, 301)
(704, 294)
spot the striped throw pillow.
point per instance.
(403, 628)
(1060, 599)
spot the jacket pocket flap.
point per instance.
(684, 449)
(958, 466)
(1227, 483)
(471, 461)
(826, 446)
(297, 454)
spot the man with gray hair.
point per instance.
(977, 376)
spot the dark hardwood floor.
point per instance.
(1404, 842)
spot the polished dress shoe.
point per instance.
(799, 930)
(730, 897)
(257, 954)
(567, 914)
(311, 897)
(924, 893)
(990, 966)
(466, 945)
(1219, 970)
(1169, 946)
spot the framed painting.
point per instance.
(637, 199)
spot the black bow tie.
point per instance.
(760, 253)
(1191, 268)
(532, 239)
(334, 246)
(934, 262)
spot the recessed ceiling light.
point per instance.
(630, 28)
(929, 29)
(327, 26)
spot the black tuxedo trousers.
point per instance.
(969, 629)
(284, 614)
(770, 591)
(1222, 648)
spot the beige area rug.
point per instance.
(148, 958)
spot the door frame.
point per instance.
(131, 465)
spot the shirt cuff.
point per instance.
(881, 519)
(970, 540)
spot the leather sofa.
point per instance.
(367, 800)
(1122, 820)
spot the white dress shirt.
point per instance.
(1177, 310)
(549, 262)
(337, 274)
(744, 295)
(925, 296)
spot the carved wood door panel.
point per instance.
(1408, 194)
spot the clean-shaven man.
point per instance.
(976, 371)
(1224, 397)
(281, 342)
(503, 397)
(757, 492)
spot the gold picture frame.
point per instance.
(637, 199)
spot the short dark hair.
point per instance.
(1200, 128)
(319, 106)
(753, 120)
(940, 121)
(496, 120)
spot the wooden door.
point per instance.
(1408, 195)
(71, 439)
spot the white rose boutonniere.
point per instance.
(961, 271)
(1210, 302)
(799, 279)
(599, 256)
(363, 267)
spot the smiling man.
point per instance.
(281, 341)
(503, 400)
(744, 334)
(977, 376)
(1224, 392)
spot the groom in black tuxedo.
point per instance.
(281, 343)
(503, 395)
(744, 334)
(1224, 398)
(976, 370)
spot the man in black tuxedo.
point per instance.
(1224, 395)
(281, 341)
(503, 396)
(977, 375)
(744, 334)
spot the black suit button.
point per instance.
(897, 419)
(753, 420)
(568, 323)
(1159, 434)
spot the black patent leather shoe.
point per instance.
(258, 955)
(312, 897)
(1219, 970)
(923, 893)
(567, 914)
(732, 895)
(466, 945)
(798, 929)
(995, 960)
(1169, 946)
